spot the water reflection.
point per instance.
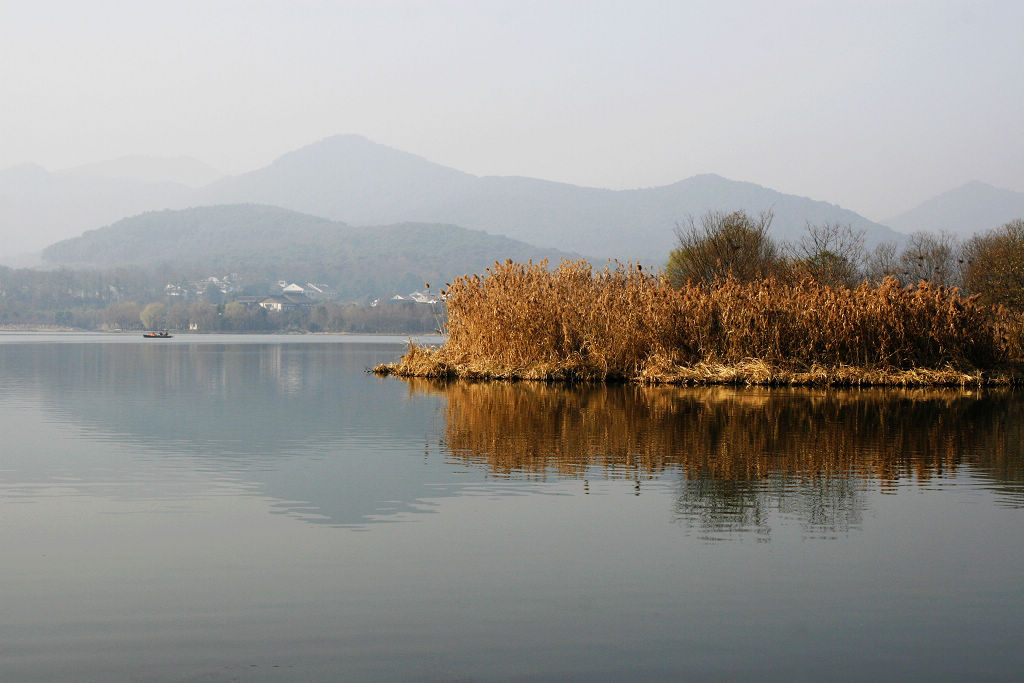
(302, 424)
(138, 486)
(739, 455)
(305, 426)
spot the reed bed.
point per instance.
(526, 321)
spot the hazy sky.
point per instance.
(872, 105)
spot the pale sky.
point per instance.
(875, 106)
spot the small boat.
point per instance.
(162, 334)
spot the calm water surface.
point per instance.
(219, 508)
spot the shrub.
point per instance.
(723, 243)
(994, 265)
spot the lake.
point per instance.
(215, 508)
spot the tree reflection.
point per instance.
(742, 455)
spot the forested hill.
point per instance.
(268, 243)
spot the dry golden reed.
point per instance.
(526, 321)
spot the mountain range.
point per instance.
(351, 180)
(148, 169)
(38, 207)
(963, 211)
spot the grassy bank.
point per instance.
(524, 321)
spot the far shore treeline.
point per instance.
(731, 306)
(135, 299)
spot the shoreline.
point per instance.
(427, 362)
(528, 322)
(76, 330)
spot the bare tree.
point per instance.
(723, 243)
(831, 253)
(993, 265)
(123, 315)
(883, 262)
(931, 257)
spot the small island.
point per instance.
(790, 322)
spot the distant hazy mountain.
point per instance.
(38, 207)
(146, 169)
(352, 179)
(974, 207)
(348, 178)
(268, 243)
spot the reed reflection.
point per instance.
(741, 454)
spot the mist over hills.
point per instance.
(351, 179)
(38, 207)
(148, 169)
(963, 211)
(346, 178)
(265, 243)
